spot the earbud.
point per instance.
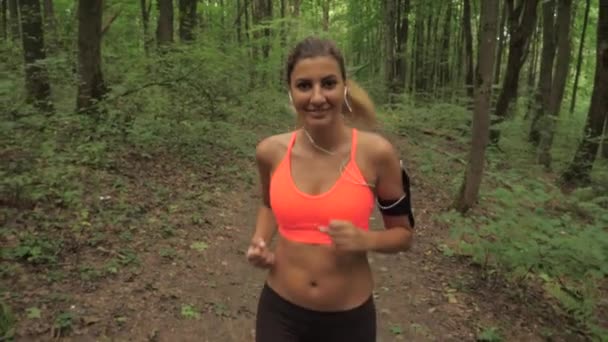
(290, 98)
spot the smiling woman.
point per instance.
(319, 184)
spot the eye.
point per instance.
(303, 85)
(329, 83)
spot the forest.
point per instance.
(128, 185)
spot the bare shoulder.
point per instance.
(272, 148)
(377, 147)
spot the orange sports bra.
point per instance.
(299, 215)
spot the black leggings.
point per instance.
(279, 320)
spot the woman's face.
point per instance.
(317, 89)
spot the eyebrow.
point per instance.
(326, 78)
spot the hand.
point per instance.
(259, 255)
(345, 236)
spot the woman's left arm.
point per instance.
(398, 234)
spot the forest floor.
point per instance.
(169, 265)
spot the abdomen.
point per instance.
(319, 277)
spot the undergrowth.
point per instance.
(524, 227)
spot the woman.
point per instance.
(319, 186)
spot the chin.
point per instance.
(319, 120)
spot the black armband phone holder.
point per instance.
(399, 206)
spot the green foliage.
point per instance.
(35, 249)
(526, 232)
(7, 322)
(491, 334)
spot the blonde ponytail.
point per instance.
(363, 112)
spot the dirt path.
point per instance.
(188, 291)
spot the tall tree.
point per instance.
(325, 4)
(580, 57)
(580, 168)
(403, 11)
(91, 87)
(146, 8)
(543, 95)
(13, 11)
(187, 19)
(49, 14)
(522, 20)
(560, 75)
(390, 28)
(36, 77)
(164, 28)
(468, 50)
(469, 190)
(4, 19)
(444, 63)
(501, 42)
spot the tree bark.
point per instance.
(469, 190)
(390, 13)
(187, 19)
(36, 77)
(468, 42)
(49, 15)
(4, 19)
(444, 67)
(13, 11)
(580, 57)
(91, 87)
(325, 5)
(522, 20)
(501, 43)
(543, 95)
(560, 75)
(580, 168)
(145, 7)
(402, 32)
(164, 29)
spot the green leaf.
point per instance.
(33, 313)
(199, 246)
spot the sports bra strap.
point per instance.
(353, 147)
(291, 142)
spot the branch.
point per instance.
(106, 27)
(148, 85)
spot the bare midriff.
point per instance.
(318, 277)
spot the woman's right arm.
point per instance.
(265, 226)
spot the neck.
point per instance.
(329, 138)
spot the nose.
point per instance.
(317, 98)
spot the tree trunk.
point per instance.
(580, 57)
(325, 5)
(501, 43)
(36, 77)
(13, 11)
(420, 79)
(580, 168)
(49, 15)
(532, 66)
(481, 117)
(390, 12)
(402, 31)
(91, 86)
(522, 20)
(187, 19)
(262, 11)
(444, 66)
(164, 29)
(560, 75)
(543, 96)
(4, 19)
(468, 42)
(145, 7)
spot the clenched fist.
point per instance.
(259, 255)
